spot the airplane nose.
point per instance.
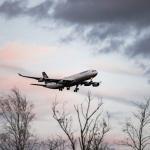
(96, 72)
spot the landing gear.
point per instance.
(91, 80)
(68, 88)
(60, 89)
(76, 89)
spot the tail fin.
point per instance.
(44, 75)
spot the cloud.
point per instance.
(108, 25)
(147, 71)
(12, 68)
(40, 11)
(112, 22)
(116, 98)
(144, 65)
(104, 11)
(12, 9)
(132, 46)
(113, 96)
(141, 47)
(14, 52)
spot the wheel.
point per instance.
(76, 89)
(68, 88)
(60, 89)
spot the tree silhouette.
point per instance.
(16, 114)
(138, 136)
(65, 122)
(56, 143)
(93, 127)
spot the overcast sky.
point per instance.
(68, 36)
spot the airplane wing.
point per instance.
(61, 81)
(41, 79)
(36, 78)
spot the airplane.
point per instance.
(67, 82)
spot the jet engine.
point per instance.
(95, 84)
(87, 83)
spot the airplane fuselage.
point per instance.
(77, 78)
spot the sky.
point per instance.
(68, 36)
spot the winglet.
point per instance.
(20, 74)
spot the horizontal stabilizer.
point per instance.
(39, 85)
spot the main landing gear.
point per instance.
(60, 89)
(91, 80)
(76, 89)
(68, 88)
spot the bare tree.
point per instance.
(16, 114)
(92, 127)
(138, 135)
(56, 144)
(92, 130)
(65, 122)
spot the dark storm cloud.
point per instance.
(110, 19)
(140, 50)
(112, 22)
(104, 31)
(41, 10)
(12, 8)
(96, 11)
(17, 8)
(112, 35)
(140, 47)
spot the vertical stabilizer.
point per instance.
(44, 75)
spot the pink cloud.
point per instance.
(17, 52)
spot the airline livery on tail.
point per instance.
(67, 82)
